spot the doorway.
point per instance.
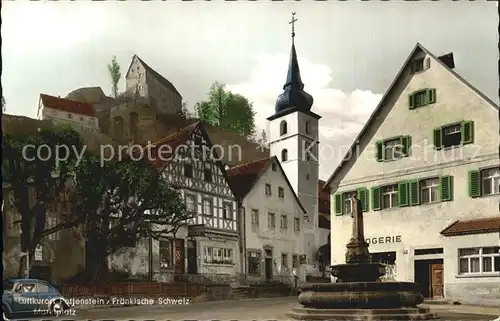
(429, 276)
(179, 256)
(192, 257)
(268, 262)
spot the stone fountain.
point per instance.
(359, 294)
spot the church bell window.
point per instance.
(283, 128)
(284, 155)
(308, 127)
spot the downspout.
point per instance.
(243, 245)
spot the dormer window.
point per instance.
(284, 155)
(283, 128)
(308, 127)
(273, 167)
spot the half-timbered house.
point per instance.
(209, 243)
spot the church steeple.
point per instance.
(294, 97)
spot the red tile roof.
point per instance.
(243, 177)
(171, 144)
(67, 105)
(478, 226)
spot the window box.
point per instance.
(393, 148)
(456, 134)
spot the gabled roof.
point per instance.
(418, 48)
(67, 105)
(242, 178)
(468, 227)
(159, 77)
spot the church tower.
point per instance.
(293, 138)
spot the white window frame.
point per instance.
(284, 260)
(493, 175)
(281, 192)
(296, 224)
(268, 190)
(271, 224)
(348, 201)
(190, 200)
(480, 256)
(428, 189)
(284, 222)
(392, 147)
(392, 193)
(210, 203)
(227, 211)
(254, 217)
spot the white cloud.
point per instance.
(344, 113)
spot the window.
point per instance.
(479, 260)
(393, 148)
(270, 221)
(281, 192)
(295, 261)
(284, 260)
(284, 155)
(283, 128)
(165, 254)
(308, 127)
(273, 167)
(307, 177)
(268, 190)
(43, 287)
(207, 173)
(190, 203)
(389, 196)
(254, 262)
(216, 255)
(227, 211)
(429, 190)
(188, 170)
(344, 200)
(207, 207)
(198, 141)
(484, 182)
(296, 224)
(419, 65)
(422, 98)
(454, 135)
(438, 250)
(81, 118)
(255, 217)
(284, 222)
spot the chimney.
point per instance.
(448, 60)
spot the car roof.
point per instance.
(26, 280)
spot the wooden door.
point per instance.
(437, 281)
(192, 258)
(179, 256)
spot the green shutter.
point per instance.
(474, 184)
(438, 141)
(446, 188)
(411, 101)
(431, 96)
(403, 194)
(379, 149)
(376, 204)
(414, 192)
(338, 204)
(363, 195)
(467, 132)
(405, 145)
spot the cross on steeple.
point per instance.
(293, 24)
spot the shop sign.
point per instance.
(384, 239)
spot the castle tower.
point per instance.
(293, 138)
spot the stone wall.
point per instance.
(487, 294)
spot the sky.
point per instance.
(349, 52)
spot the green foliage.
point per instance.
(227, 110)
(115, 74)
(124, 201)
(43, 175)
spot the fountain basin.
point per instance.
(354, 272)
(360, 295)
(310, 314)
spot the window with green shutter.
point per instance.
(363, 195)
(446, 188)
(474, 183)
(456, 134)
(414, 192)
(393, 148)
(422, 98)
(403, 199)
(338, 204)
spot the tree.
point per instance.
(114, 72)
(44, 175)
(122, 202)
(227, 110)
(184, 116)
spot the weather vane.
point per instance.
(293, 24)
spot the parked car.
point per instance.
(31, 297)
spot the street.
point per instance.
(254, 309)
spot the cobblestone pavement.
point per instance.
(257, 309)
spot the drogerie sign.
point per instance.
(384, 239)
